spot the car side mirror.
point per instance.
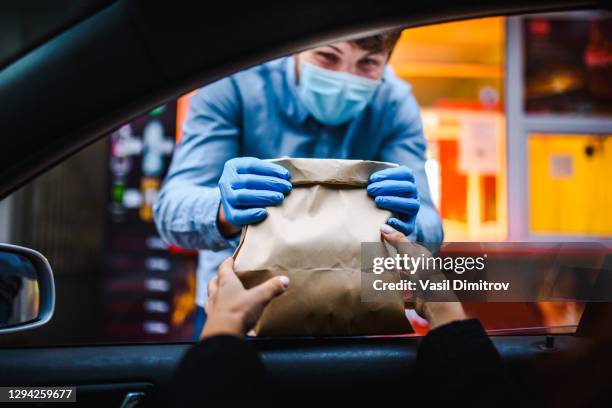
(27, 291)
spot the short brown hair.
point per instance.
(380, 42)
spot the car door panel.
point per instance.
(338, 367)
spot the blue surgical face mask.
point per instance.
(334, 97)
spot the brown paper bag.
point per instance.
(314, 237)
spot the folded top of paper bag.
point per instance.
(331, 171)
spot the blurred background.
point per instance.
(518, 117)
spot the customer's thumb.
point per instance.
(271, 288)
(392, 236)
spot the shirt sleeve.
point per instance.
(221, 371)
(458, 362)
(405, 144)
(188, 203)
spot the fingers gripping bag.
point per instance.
(314, 237)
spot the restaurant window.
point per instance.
(568, 64)
(457, 74)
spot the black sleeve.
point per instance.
(219, 371)
(458, 363)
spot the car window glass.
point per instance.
(514, 141)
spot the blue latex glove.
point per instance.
(394, 189)
(247, 185)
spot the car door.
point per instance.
(81, 106)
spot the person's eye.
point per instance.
(328, 57)
(369, 63)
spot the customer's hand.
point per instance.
(232, 309)
(247, 185)
(436, 313)
(394, 189)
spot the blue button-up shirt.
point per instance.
(258, 113)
